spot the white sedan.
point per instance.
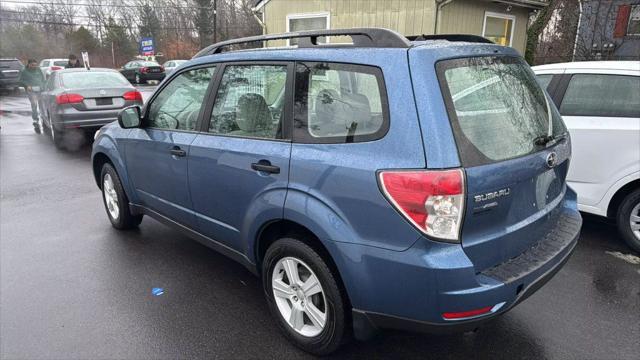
(600, 104)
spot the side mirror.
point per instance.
(130, 118)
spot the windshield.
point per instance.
(497, 108)
(91, 79)
(148, 63)
(61, 63)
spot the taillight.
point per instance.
(69, 99)
(144, 70)
(431, 200)
(54, 68)
(133, 96)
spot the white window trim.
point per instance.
(324, 14)
(629, 22)
(500, 16)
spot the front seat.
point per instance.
(253, 117)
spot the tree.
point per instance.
(117, 38)
(149, 24)
(203, 21)
(82, 40)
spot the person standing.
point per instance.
(32, 80)
(73, 62)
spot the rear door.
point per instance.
(515, 175)
(602, 111)
(239, 165)
(157, 155)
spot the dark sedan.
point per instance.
(141, 71)
(80, 99)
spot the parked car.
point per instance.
(10, 74)
(384, 184)
(600, 103)
(171, 65)
(48, 66)
(141, 71)
(84, 99)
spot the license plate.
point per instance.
(104, 101)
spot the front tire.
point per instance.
(115, 200)
(304, 297)
(628, 219)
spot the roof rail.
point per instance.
(451, 37)
(361, 37)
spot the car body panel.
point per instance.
(159, 178)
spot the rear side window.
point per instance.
(602, 95)
(496, 107)
(339, 103)
(544, 80)
(93, 79)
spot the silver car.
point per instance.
(80, 99)
(171, 65)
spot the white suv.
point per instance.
(50, 65)
(600, 104)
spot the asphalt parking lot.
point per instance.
(72, 287)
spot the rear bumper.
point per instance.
(85, 119)
(411, 290)
(9, 82)
(152, 76)
(366, 324)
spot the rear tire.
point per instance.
(57, 137)
(314, 320)
(628, 219)
(115, 200)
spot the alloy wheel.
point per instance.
(634, 221)
(299, 296)
(110, 197)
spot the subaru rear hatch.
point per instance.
(513, 148)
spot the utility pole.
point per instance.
(215, 21)
(113, 55)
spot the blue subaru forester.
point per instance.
(384, 183)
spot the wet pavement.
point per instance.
(72, 287)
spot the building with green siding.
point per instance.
(502, 21)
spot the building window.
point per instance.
(634, 21)
(499, 28)
(301, 22)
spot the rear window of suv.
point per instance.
(497, 108)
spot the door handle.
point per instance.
(265, 166)
(176, 151)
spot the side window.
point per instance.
(544, 80)
(602, 95)
(248, 102)
(339, 103)
(44, 64)
(178, 104)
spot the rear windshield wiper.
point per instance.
(544, 140)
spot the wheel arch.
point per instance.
(274, 230)
(105, 151)
(619, 196)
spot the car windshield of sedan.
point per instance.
(148, 63)
(91, 79)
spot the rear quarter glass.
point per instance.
(496, 108)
